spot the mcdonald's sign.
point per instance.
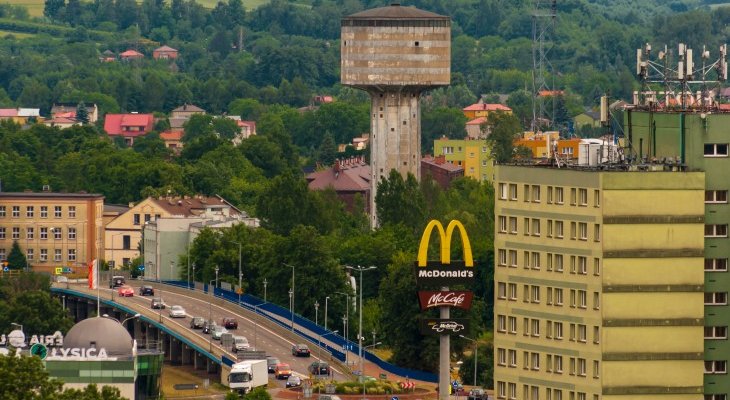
(444, 272)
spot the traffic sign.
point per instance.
(39, 350)
(66, 270)
(59, 271)
(239, 290)
(141, 267)
(6, 269)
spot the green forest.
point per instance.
(264, 63)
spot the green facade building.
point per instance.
(701, 140)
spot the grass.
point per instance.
(172, 375)
(18, 35)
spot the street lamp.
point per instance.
(256, 324)
(362, 372)
(216, 279)
(149, 268)
(345, 321)
(475, 356)
(265, 283)
(291, 295)
(326, 300)
(132, 317)
(359, 335)
(344, 332)
(193, 277)
(172, 264)
(316, 313)
(320, 341)
(210, 315)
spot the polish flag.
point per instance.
(93, 274)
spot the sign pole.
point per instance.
(444, 359)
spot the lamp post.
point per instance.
(132, 317)
(326, 300)
(362, 373)
(193, 277)
(475, 356)
(149, 267)
(172, 264)
(265, 283)
(320, 341)
(240, 274)
(216, 279)
(291, 295)
(210, 315)
(316, 313)
(345, 321)
(344, 332)
(359, 335)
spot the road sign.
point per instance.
(251, 355)
(59, 271)
(66, 270)
(239, 290)
(39, 350)
(185, 386)
(140, 267)
(6, 269)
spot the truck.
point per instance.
(247, 375)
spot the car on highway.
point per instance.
(177, 312)
(157, 303)
(146, 290)
(282, 371)
(300, 350)
(329, 397)
(197, 322)
(240, 343)
(208, 326)
(293, 381)
(116, 281)
(125, 291)
(218, 331)
(230, 323)
(271, 363)
(319, 368)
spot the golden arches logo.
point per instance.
(445, 238)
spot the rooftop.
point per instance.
(395, 11)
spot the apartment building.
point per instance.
(599, 283)
(701, 141)
(472, 155)
(54, 230)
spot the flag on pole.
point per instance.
(93, 274)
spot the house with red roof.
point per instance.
(349, 178)
(129, 126)
(130, 55)
(164, 53)
(440, 170)
(483, 109)
(173, 139)
(474, 128)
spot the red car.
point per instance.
(230, 323)
(125, 291)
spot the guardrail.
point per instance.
(266, 309)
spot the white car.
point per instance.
(177, 312)
(218, 331)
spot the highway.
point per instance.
(260, 336)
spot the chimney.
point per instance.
(440, 159)
(336, 167)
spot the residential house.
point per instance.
(62, 121)
(180, 115)
(131, 55)
(68, 110)
(54, 230)
(545, 144)
(247, 129)
(129, 126)
(349, 178)
(323, 99)
(358, 143)
(440, 170)
(164, 53)
(590, 118)
(484, 109)
(21, 116)
(173, 139)
(108, 56)
(472, 155)
(474, 128)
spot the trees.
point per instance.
(16, 258)
(505, 128)
(82, 113)
(399, 201)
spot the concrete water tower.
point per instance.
(395, 53)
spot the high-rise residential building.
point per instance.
(472, 155)
(599, 283)
(53, 230)
(700, 140)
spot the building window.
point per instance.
(535, 227)
(582, 333)
(716, 149)
(558, 263)
(502, 357)
(44, 233)
(718, 230)
(29, 211)
(597, 232)
(582, 197)
(716, 332)
(527, 193)
(715, 196)
(596, 301)
(72, 254)
(44, 211)
(582, 368)
(536, 193)
(513, 225)
(57, 233)
(501, 323)
(558, 331)
(558, 296)
(512, 291)
(16, 233)
(136, 219)
(501, 390)
(535, 298)
(512, 325)
(502, 191)
(715, 397)
(535, 260)
(16, 212)
(582, 265)
(512, 358)
(513, 391)
(2, 233)
(596, 198)
(71, 233)
(448, 150)
(596, 266)
(596, 335)
(559, 229)
(535, 364)
(550, 195)
(582, 299)
(29, 233)
(583, 231)
(502, 224)
(715, 298)
(502, 257)
(558, 368)
(513, 191)
(72, 211)
(44, 255)
(57, 255)
(558, 195)
(501, 290)
(513, 258)
(716, 367)
(147, 218)
(526, 224)
(57, 212)
(30, 254)
(2, 211)
(715, 264)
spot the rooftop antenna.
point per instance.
(543, 23)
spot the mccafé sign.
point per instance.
(458, 299)
(444, 272)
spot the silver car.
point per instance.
(177, 312)
(240, 343)
(218, 331)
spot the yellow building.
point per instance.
(472, 155)
(599, 284)
(54, 230)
